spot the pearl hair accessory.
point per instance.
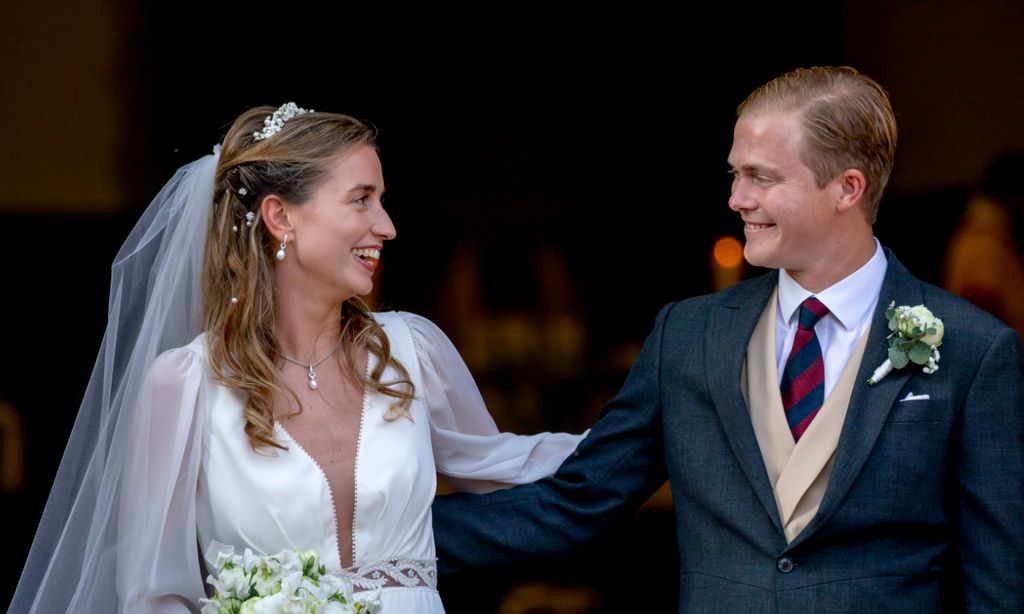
(310, 373)
(273, 123)
(242, 192)
(280, 250)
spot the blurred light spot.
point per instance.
(728, 252)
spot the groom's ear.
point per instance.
(851, 190)
(274, 212)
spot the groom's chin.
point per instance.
(759, 257)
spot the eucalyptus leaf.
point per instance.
(920, 353)
(897, 358)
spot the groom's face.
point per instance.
(787, 217)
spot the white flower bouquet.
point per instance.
(915, 337)
(289, 582)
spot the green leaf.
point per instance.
(898, 358)
(920, 353)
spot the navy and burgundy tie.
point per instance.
(803, 380)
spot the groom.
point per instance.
(799, 487)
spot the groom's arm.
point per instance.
(989, 472)
(615, 469)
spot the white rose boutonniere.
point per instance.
(915, 338)
(291, 581)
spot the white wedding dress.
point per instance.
(199, 481)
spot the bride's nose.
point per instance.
(382, 226)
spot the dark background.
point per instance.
(598, 136)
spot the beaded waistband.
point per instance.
(408, 573)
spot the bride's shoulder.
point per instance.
(418, 335)
(419, 329)
(414, 322)
(181, 363)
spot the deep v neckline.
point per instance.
(292, 441)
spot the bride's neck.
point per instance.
(305, 329)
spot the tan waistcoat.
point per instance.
(798, 471)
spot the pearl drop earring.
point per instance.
(280, 251)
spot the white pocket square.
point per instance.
(914, 397)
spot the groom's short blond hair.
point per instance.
(847, 122)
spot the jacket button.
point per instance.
(785, 564)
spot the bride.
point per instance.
(296, 419)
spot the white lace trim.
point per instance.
(408, 573)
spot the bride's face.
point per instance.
(339, 233)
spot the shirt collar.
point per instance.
(849, 299)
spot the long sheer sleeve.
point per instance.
(468, 447)
(158, 559)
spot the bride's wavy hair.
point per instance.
(242, 348)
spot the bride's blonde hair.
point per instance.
(238, 283)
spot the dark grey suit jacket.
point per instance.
(924, 511)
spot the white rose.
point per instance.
(936, 339)
(263, 605)
(921, 318)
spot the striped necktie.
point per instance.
(803, 380)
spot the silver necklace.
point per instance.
(310, 373)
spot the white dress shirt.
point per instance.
(851, 303)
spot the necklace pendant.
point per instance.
(311, 374)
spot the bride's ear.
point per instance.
(275, 213)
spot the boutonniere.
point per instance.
(915, 338)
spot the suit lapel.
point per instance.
(869, 405)
(730, 326)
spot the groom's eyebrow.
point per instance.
(751, 168)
